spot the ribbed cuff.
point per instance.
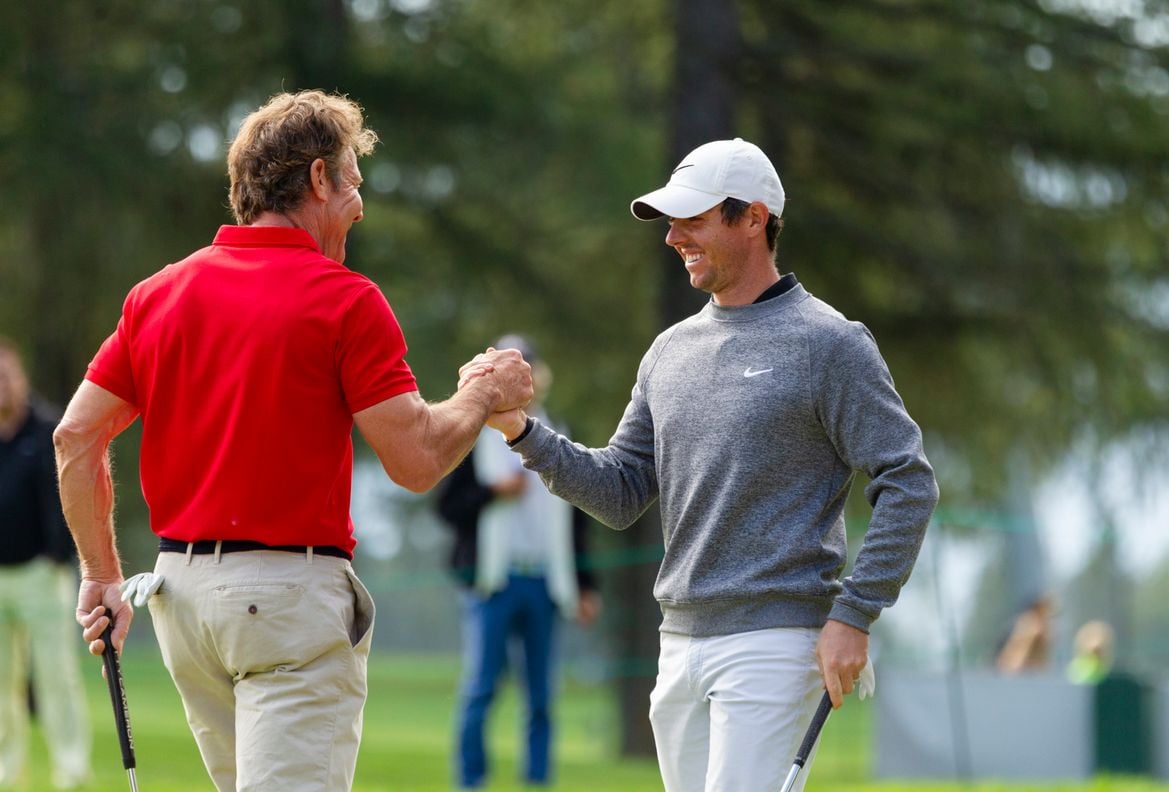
(528, 424)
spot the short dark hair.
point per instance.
(733, 210)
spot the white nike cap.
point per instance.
(709, 175)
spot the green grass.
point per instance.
(408, 733)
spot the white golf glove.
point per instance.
(866, 686)
(140, 588)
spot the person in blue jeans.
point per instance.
(518, 553)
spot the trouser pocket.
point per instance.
(361, 632)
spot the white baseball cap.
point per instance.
(709, 175)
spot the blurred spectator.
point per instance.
(37, 584)
(517, 551)
(1028, 647)
(1093, 653)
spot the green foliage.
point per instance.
(515, 136)
(983, 185)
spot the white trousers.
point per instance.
(268, 650)
(37, 603)
(729, 712)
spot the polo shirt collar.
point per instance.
(265, 236)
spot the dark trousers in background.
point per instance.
(522, 610)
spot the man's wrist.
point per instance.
(485, 390)
(529, 422)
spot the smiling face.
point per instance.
(714, 253)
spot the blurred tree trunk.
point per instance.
(702, 108)
(708, 45)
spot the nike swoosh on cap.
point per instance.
(750, 373)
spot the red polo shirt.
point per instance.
(247, 361)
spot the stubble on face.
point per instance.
(710, 250)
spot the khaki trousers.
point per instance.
(37, 604)
(268, 650)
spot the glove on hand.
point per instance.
(140, 588)
(867, 684)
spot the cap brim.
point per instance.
(673, 201)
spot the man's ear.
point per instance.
(318, 179)
(757, 214)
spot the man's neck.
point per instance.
(274, 219)
(748, 288)
(304, 220)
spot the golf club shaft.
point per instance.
(810, 737)
(118, 700)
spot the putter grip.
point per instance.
(814, 729)
(118, 698)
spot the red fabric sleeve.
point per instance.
(371, 355)
(110, 367)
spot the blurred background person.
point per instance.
(1093, 653)
(36, 591)
(1028, 646)
(518, 552)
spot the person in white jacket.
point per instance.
(518, 551)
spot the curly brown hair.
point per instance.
(269, 160)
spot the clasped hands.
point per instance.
(513, 378)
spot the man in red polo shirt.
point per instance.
(249, 363)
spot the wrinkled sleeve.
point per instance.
(614, 484)
(873, 433)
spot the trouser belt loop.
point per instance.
(222, 547)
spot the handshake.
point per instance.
(506, 371)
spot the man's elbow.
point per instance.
(67, 437)
(417, 484)
(72, 439)
(418, 478)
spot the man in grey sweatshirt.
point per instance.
(749, 421)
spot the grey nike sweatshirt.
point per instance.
(749, 423)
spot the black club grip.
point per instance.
(814, 729)
(118, 697)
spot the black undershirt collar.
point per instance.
(784, 284)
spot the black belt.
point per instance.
(207, 547)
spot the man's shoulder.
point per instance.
(693, 322)
(211, 265)
(827, 323)
(818, 312)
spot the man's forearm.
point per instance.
(87, 499)
(484, 389)
(419, 443)
(82, 444)
(454, 425)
